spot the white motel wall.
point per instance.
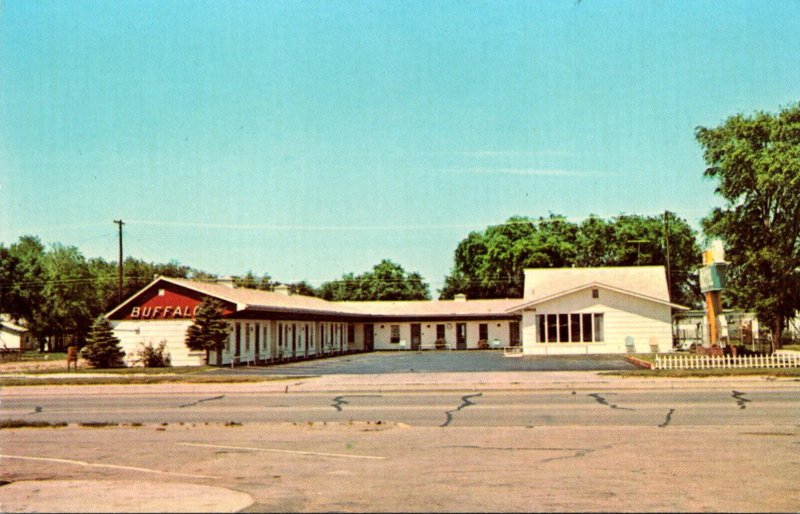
(497, 330)
(627, 321)
(134, 335)
(565, 311)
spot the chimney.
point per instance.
(283, 289)
(460, 297)
(226, 281)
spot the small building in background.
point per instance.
(14, 336)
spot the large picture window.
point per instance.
(570, 328)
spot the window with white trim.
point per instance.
(570, 328)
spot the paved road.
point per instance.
(436, 361)
(488, 405)
(513, 441)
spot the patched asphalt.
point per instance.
(379, 363)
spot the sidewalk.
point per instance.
(449, 381)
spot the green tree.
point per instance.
(251, 281)
(302, 288)
(102, 348)
(24, 282)
(69, 295)
(387, 281)
(491, 264)
(209, 330)
(755, 161)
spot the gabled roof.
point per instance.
(13, 327)
(254, 299)
(645, 282)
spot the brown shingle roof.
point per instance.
(429, 308)
(264, 300)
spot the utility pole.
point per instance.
(638, 247)
(666, 248)
(119, 285)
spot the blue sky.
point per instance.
(309, 139)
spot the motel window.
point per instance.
(395, 337)
(575, 327)
(351, 333)
(587, 327)
(598, 327)
(552, 328)
(247, 337)
(542, 328)
(570, 328)
(483, 332)
(257, 342)
(440, 332)
(563, 328)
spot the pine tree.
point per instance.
(209, 330)
(102, 348)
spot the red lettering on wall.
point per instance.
(175, 302)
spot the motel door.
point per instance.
(416, 336)
(369, 337)
(238, 341)
(513, 333)
(461, 336)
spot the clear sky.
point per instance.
(309, 139)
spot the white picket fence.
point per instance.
(776, 360)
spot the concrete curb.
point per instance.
(639, 362)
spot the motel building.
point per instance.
(564, 311)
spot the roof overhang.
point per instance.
(595, 285)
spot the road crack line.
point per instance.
(276, 450)
(201, 401)
(339, 401)
(668, 419)
(602, 401)
(465, 403)
(741, 402)
(580, 452)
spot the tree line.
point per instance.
(755, 161)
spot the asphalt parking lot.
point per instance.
(375, 363)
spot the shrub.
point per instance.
(102, 348)
(441, 344)
(483, 344)
(153, 357)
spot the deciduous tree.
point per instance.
(387, 281)
(755, 161)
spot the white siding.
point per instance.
(134, 334)
(645, 322)
(497, 329)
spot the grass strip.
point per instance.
(147, 379)
(701, 373)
